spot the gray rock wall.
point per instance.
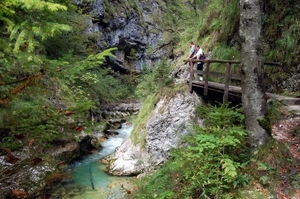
(172, 118)
(128, 28)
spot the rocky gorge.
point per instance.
(34, 169)
(133, 29)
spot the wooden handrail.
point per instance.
(228, 61)
(207, 72)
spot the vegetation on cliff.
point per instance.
(217, 163)
(215, 24)
(52, 75)
(50, 69)
(203, 170)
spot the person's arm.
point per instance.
(197, 55)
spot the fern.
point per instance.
(20, 41)
(211, 167)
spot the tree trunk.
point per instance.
(253, 94)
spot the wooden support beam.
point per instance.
(227, 81)
(206, 79)
(191, 76)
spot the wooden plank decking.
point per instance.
(232, 90)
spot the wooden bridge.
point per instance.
(226, 88)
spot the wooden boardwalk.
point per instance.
(237, 92)
(213, 86)
(226, 88)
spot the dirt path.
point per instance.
(288, 131)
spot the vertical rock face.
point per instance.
(172, 118)
(130, 27)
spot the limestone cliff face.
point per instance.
(172, 118)
(131, 27)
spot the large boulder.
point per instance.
(34, 168)
(172, 119)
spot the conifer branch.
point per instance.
(19, 88)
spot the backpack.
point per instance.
(203, 56)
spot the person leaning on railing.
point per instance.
(198, 55)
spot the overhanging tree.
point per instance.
(34, 85)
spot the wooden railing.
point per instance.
(206, 73)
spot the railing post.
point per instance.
(227, 81)
(191, 76)
(206, 79)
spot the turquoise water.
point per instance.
(89, 181)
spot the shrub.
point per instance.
(209, 167)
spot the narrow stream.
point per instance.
(89, 181)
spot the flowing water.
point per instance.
(89, 181)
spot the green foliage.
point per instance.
(274, 167)
(227, 52)
(49, 66)
(113, 8)
(25, 28)
(280, 38)
(222, 115)
(210, 167)
(84, 76)
(272, 115)
(264, 179)
(109, 11)
(77, 42)
(217, 22)
(154, 80)
(215, 27)
(104, 87)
